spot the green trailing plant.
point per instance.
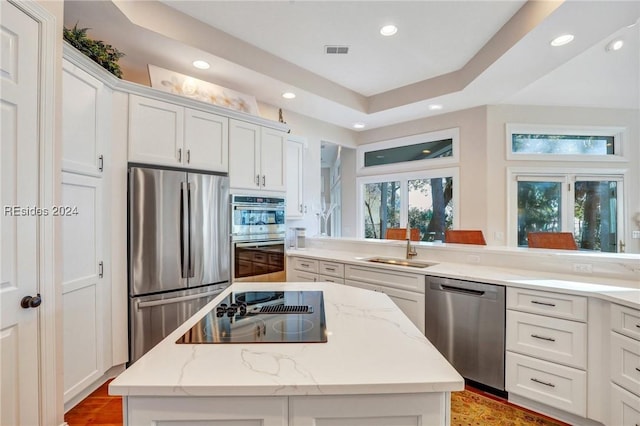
(103, 54)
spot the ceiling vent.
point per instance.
(336, 50)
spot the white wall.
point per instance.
(315, 131)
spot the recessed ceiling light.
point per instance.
(434, 107)
(288, 95)
(388, 30)
(562, 40)
(614, 45)
(426, 151)
(203, 65)
(358, 125)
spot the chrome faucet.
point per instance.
(411, 251)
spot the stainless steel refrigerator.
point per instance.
(179, 234)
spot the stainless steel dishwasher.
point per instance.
(466, 321)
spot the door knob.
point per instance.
(31, 301)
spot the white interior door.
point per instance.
(19, 165)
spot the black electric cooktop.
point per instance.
(263, 317)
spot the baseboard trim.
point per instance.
(110, 374)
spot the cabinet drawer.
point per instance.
(332, 269)
(625, 407)
(552, 339)
(302, 264)
(625, 362)
(555, 385)
(543, 302)
(300, 276)
(330, 279)
(625, 320)
(388, 278)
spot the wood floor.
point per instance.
(100, 408)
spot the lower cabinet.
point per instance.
(335, 410)
(625, 366)
(625, 407)
(405, 289)
(546, 358)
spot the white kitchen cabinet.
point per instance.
(546, 342)
(383, 410)
(206, 138)
(625, 407)
(86, 301)
(256, 157)
(625, 366)
(312, 270)
(295, 182)
(410, 303)
(405, 289)
(167, 134)
(85, 121)
(156, 131)
(85, 224)
(201, 411)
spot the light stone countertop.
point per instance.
(623, 292)
(372, 348)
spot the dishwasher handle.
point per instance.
(468, 291)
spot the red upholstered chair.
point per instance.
(464, 237)
(401, 234)
(552, 240)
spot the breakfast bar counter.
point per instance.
(375, 366)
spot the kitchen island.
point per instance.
(376, 368)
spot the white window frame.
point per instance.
(453, 134)
(568, 177)
(453, 172)
(619, 137)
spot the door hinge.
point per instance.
(101, 269)
(101, 162)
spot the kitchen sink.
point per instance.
(400, 262)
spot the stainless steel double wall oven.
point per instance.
(257, 238)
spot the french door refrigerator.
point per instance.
(179, 230)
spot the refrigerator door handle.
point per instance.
(142, 305)
(183, 233)
(190, 227)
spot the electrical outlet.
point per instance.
(585, 268)
(635, 234)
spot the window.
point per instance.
(417, 152)
(562, 143)
(424, 199)
(588, 205)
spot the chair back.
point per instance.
(552, 240)
(461, 236)
(401, 234)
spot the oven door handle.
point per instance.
(260, 244)
(259, 208)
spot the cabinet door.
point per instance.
(84, 296)
(410, 303)
(156, 132)
(272, 163)
(85, 121)
(244, 155)
(295, 200)
(206, 138)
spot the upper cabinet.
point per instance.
(256, 157)
(86, 116)
(167, 134)
(295, 161)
